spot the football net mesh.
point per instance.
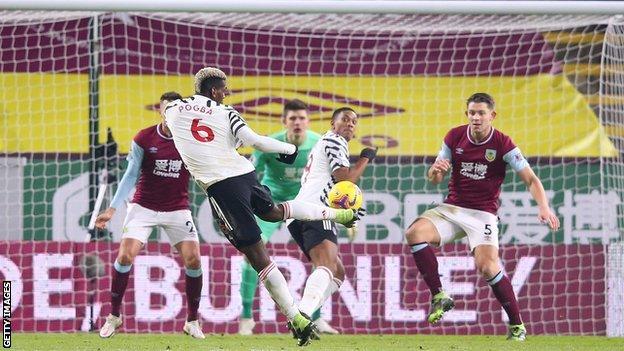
(557, 81)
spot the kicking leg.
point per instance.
(275, 283)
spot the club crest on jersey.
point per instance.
(490, 154)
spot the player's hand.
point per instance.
(288, 159)
(369, 153)
(102, 218)
(441, 166)
(547, 216)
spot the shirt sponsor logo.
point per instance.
(167, 168)
(473, 170)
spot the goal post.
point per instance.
(556, 78)
(332, 7)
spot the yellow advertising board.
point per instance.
(544, 114)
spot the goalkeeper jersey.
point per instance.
(284, 180)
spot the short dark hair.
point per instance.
(340, 110)
(294, 105)
(481, 98)
(170, 96)
(207, 84)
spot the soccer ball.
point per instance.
(345, 195)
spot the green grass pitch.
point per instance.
(170, 342)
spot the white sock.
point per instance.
(332, 288)
(314, 293)
(275, 283)
(306, 211)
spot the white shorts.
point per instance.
(140, 221)
(454, 222)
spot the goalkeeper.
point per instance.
(284, 180)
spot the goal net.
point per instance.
(77, 86)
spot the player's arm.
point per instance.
(546, 215)
(336, 151)
(129, 179)
(354, 173)
(240, 129)
(441, 166)
(519, 164)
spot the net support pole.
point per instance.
(94, 109)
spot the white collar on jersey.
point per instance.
(162, 135)
(331, 131)
(205, 98)
(484, 141)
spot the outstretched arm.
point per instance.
(135, 159)
(354, 173)
(535, 187)
(263, 143)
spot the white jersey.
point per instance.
(204, 132)
(330, 153)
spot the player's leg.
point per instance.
(318, 240)
(128, 250)
(326, 278)
(277, 286)
(419, 235)
(249, 282)
(487, 263)
(189, 250)
(264, 207)
(323, 254)
(424, 232)
(230, 200)
(137, 227)
(180, 229)
(482, 234)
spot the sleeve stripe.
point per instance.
(340, 144)
(333, 157)
(236, 122)
(232, 115)
(235, 119)
(237, 129)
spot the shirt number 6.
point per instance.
(196, 129)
